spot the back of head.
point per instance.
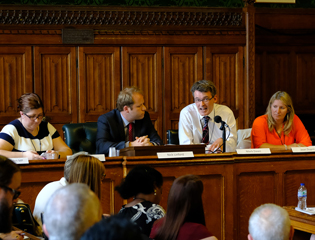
(7, 169)
(125, 97)
(140, 179)
(204, 86)
(89, 170)
(70, 211)
(269, 222)
(113, 228)
(29, 101)
(69, 162)
(184, 205)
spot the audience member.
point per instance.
(115, 227)
(127, 125)
(29, 136)
(269, 222)
(196, 121)
(70, 211)
(185, 219)
(10, 182)
(79, 168)
(144, 184)
(279, 128)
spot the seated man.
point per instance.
(270, 222)
(10, 182)
(70, 211)
(196, 121)
(128, 125)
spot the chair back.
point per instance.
(172, 136)
(81, 136)
(243, 138)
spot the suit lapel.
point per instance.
(120, 127)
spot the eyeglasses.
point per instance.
(15, 193)
(205, 100)
(33, 118)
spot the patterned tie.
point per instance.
(205, 130)
(130, 132)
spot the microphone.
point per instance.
(218, 119)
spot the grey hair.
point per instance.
(204, 86)
(269, 222)
(68, 164)
(70, 211)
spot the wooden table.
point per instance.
(301, 221)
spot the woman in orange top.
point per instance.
(280, 128)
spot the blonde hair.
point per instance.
(89, 170)
(288, 120)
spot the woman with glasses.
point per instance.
(29, 136)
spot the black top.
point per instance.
(144, 214)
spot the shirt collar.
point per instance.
(211, 115)
(125, 122)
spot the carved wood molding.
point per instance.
(135, 18)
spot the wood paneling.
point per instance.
(225, 68)
(99, 81)
(289, 69)
(15, 79)
(55, 81)
(142, 67)
(183, 66)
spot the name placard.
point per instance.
(20, 160)
(100, 157)
(303, 149)
(184, 154)
(254, 151)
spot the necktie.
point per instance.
(130, 132)
(205, 130)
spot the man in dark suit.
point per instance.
(127, 125)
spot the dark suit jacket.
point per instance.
(111, 133)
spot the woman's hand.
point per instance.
(32, 155)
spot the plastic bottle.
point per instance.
(302, 196)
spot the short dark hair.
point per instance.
(7, 170)
(113, 228)
(140, 179)
(29, 101)
(204, 86)
(125, 97)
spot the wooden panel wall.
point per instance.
(99, 81)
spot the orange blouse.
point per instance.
(260, 133)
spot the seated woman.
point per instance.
(29, 136)
(79, 168)
(279, 128)
(185, 219)
(144, 184)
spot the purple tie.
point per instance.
(205, 130)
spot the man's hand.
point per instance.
(16, 235)
(141, 141)
(216, 146)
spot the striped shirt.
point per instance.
(21, 140)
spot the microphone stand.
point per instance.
(223, 135)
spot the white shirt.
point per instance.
(44, 195)
(191, 124)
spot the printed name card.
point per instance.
(185, 154)
(20, 160)
(100, 157)
(254, 151)
(303, 149)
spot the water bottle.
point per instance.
(302, 195)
